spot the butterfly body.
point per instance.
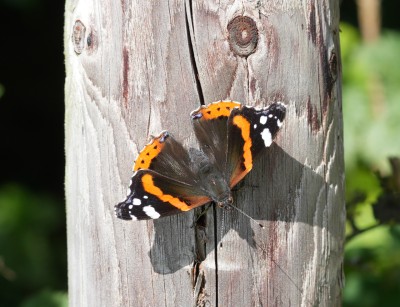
(169, 179)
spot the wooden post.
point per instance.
(134, 68)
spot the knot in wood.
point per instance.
(78, 36)
(243, 35)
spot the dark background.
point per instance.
(33, 260)
(33, 269)
(32, 108)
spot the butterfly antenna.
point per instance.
(245, 214)
(222, 227)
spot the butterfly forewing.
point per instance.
(152, 195)
(163, 182)
(250, 131)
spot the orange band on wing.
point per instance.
(148, 153)
(217, 109)
(244, 126)
(149, 187)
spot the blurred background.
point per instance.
(33, 267)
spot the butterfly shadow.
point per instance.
(275, 192)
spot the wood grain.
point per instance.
(134, 68)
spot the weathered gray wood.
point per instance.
(134, 68)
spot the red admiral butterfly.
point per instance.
(169, 179)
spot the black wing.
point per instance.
(163, 182)
(232, 135)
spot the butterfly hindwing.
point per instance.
(210, 127)
(166, 156)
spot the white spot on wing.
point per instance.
(279, 123)
(270, 115)
(130, 206)
(151, 212)
(263, 120)
(255, 126)
(134, 218)
(145, 197)
(136, 202)
(266, 136)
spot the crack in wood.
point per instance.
(125, 76)
(199, 280)
(215, 253)
(190, 39)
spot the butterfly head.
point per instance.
(226, 203)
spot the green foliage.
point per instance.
(47, 298)
(371, 110)
(32, 244)
(23, 5)
(372, 265)
(2, 90)
(371, 94)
